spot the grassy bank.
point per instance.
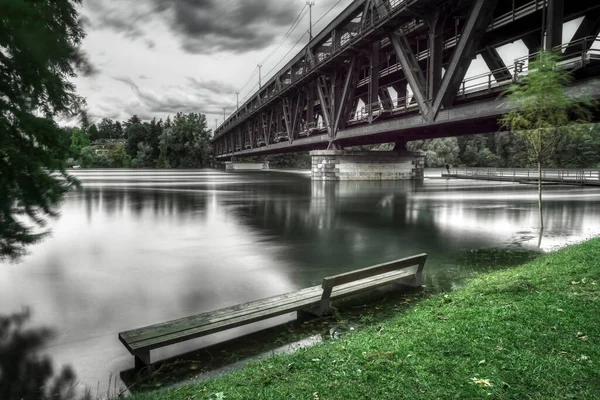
(531, 332)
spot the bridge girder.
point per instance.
(344, 77)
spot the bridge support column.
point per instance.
(348, 165)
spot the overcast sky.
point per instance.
(154, 58)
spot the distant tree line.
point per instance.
(180, 142)
(581, 149)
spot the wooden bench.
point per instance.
(314, 300)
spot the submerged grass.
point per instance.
(530, 332)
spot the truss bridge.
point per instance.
(396, 70)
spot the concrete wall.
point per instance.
(346, 165)
(246, 166)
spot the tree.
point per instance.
(439, 152)
(118, 131)
(93, 133)
(106, 129)
(79, 140)
(39, 42)
(544, 112)
(136, 133)
(186, 143)
(118, 157)
(144, 158)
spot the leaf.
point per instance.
(484, 383)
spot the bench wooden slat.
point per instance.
(194, 332)
(340, 279)
(182, 324)
(228, 311)
(352, 288)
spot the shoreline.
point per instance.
(528, 331)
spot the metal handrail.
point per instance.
(562, 174)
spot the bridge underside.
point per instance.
(462, 119)
(394, 71)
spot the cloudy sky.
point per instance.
(157, 57)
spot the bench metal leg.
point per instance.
(142, 359)
(305, 315)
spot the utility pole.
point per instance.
(259, 76)
(310, 4)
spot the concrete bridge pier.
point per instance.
(350, 165)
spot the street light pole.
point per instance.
(259, 76)
(237, 99)
(224, 114)
(310, 4)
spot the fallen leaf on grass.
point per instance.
(484, 383)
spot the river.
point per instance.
(132, 248)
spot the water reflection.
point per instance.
(139, 247)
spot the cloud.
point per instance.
(125, 19)
(83, 65)
(172, 100)
(202, 26)
(210, 26)
(212, 86)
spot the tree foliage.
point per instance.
(543, 111)
(38, 57)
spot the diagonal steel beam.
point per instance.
(496, 64)
(470, 38)
(298, 105)
(590, 27)
(344, 95)
(410, 67)
(286, 115)
(325, 106)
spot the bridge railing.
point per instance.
(555, 174)
(581, 57)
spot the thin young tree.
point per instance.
(544, 111)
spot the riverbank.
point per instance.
(528, 332)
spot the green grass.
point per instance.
(530, 332)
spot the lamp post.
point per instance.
(310, 4)
(259, 76)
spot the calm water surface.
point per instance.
(134, 248)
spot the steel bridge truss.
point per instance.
(381, 59)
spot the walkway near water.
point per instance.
(580, 177)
